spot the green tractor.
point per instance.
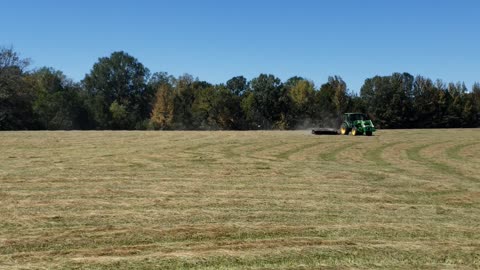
(357, 124)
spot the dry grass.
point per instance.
(236, 200)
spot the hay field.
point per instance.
(401, 199)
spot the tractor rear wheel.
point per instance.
(368, 133)
(343, 131)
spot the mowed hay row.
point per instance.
(235, 200)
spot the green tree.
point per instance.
(237, 85)
(341, 98)
(183, 101)
(425, 102)
(58, 101)
(119, 115)
(476, 102)
(389, 99)
(456, 104)
(230, 114)
(271, 101)
(119, 78)
(16, 97)
(159, 79)
(217, 107)
(253, 117)
(331, 101)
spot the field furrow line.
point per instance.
(286, 155)
(454, 151)
(414, 154)
(331, 155)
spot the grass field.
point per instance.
(401, 199)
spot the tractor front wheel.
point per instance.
(354, 131)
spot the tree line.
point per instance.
(120, 93)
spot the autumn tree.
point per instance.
(163, 109)
(301, 93)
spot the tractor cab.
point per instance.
(355, 116)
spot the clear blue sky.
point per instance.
(216, 40)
